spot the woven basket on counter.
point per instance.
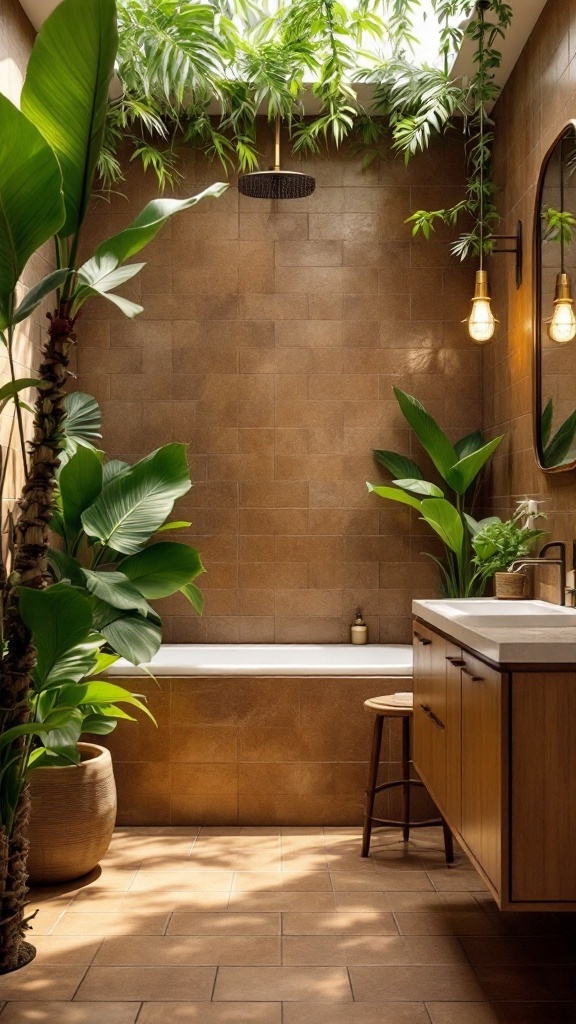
(510, 585)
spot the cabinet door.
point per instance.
(430, 711)
(482, 765)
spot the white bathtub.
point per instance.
(275, 660)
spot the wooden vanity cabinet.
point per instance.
(496, 748)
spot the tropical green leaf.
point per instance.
(69, 107)
(101, 693)
(162, 569)
(60, 619)
(195, 596)
(134, 638)
(126, 306)
(83, 418)
(14, 387)
(445, 520)
(420, 487)
(471, 443)
(101, 725)
(462, 475)
(395, 495)
(116, 589)
(546, 422)
(39, 291)
(115, 468)
(54, 720)
(79, 484)
(431, 437)
(99, 276)
(132, 507)
(31, 200)
(147, 224)
(398, 465)
(131, 636)
(182, 525)
(64, 567)
(560, 445)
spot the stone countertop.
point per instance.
(505, 645)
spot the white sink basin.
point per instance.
(487, 611)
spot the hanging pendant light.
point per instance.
(481, 321)
(276, 184)
(562, 325)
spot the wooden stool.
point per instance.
(391, 707)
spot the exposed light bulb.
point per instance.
(562, 326)
(481, 321)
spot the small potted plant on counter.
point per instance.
(497, 544)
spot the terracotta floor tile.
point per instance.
(339, 950)
(119, 923)
(44, 983)
(154, 851)
(272, 881)
(70, 1013)
(420, 902)
(355, 1013)
(211, 1013)
(59, 949)
(462, 1013)
(472, 922)
(414, 984)
(193, 950)
(446, 879)
(495, 951)
(200, 879)
(312, 984)
(163, 901)
(49, 912)
(339, 924)
(268, 902)
(518, 984)
(304, 861)
(363, 902)
(157, 830)
(382, 879)
(224, 924)
(168, 984)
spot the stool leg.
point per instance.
(406, 761)
(448, 842)
(372, 783)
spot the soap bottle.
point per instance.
(359, 630)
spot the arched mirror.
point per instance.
(555, 318)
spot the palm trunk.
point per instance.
(29, 570)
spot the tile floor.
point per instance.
(287, 926)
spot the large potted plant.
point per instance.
(459, 466)
(49, 151)
(106, 515)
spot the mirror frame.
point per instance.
(537, 310)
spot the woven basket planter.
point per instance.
(510, 585)
(73, 816)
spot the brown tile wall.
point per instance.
(271, 338)
(16, 39)
(539, 98)
(254, 751)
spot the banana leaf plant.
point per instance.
(107, 515)
(559, 448)
(49, 150)
(443, 508)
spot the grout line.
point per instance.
(79, 983)
(214, 985)
(350, 984)
(138, 1012)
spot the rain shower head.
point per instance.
(276, 184)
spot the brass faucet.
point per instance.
(521, 563)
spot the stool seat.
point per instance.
(395, 705)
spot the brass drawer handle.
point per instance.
(434, 718)
(475, 679)
(422, 639)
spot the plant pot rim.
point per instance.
(95, 752)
